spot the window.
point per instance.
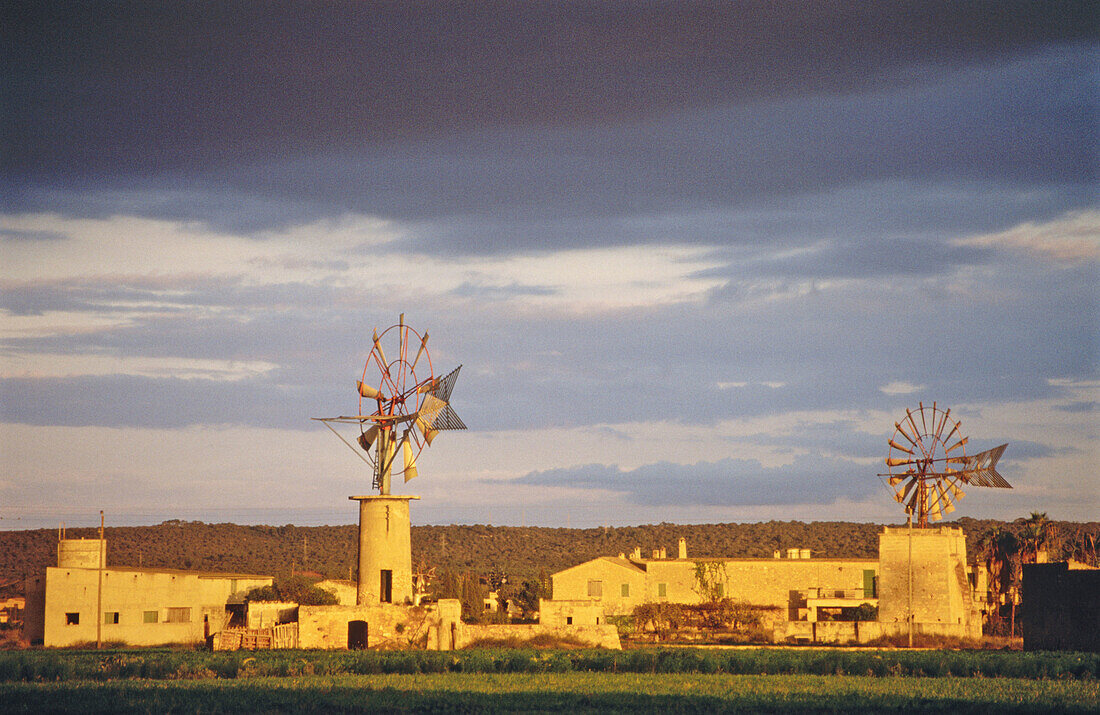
(149, 617)
(569, 620)
(178, 615)
(595, 589)
(625, 591)
(870, 589)
(110, 617)
(72, 619)
(662, 590)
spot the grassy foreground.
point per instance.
(557, 692)
(169, 664)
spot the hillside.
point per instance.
(520, 552)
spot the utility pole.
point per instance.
(910, 618)
(99, 595)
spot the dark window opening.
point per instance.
(569, 620)
(72, 619)
(386, 591)
(110, 617)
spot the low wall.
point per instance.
(602, 636)
(862, 631)
(388, 626)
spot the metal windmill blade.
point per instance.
(927, 463)
(402, 405)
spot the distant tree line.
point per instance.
(472, 558)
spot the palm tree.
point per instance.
(1082, 548)
(1001, 550)
(1038, 536)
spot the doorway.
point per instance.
(357, 635)
(386, 590)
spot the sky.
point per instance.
(696, 259)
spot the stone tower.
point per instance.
(385, 550)
(942, 596)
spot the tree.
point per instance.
(294, 589)
(1083, 548)
(1039, 535)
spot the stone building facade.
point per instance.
(143, 607)
(820, 597)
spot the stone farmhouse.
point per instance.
(137, 606)
(815, 599)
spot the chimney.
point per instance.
(683, 547)
(622, 555)
(664, 554)
(637, 554)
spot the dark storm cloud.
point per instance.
(147, 402)
(727, 482)
(448, 109)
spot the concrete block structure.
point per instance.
(1061, 607)
(943, 601)
(346, 592)
(137, 607)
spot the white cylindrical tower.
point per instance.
(385, 549)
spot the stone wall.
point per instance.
(580, 612)
(595, 636)
(388, 625)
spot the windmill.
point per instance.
(403, 405)
(928, 465)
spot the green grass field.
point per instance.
(646, 680)
(557, 692)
